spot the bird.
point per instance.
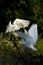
(21, 22)
(29, 37)
(10, 28)
(17, 25)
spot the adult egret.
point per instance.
(29, 38)
(21, 23)
(11, 28)
(17, 24)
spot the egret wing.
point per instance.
(25, 36)
(21, 22)
(33, 32)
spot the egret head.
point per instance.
(9, 27)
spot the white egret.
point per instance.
(29, 38)
(10, 28)
(21, 23)
(17, 24)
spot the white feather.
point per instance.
(33, 32)
(17, 24)
(21, 23)
(29, 40)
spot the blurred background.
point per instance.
(30, 10)
(24, 9)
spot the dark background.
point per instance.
(24, 9)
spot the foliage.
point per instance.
(26, 9)
(10, 45)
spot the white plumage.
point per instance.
(33, 32)
(21, 23)
(29, 38)
(17, 24)
(10, 28)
